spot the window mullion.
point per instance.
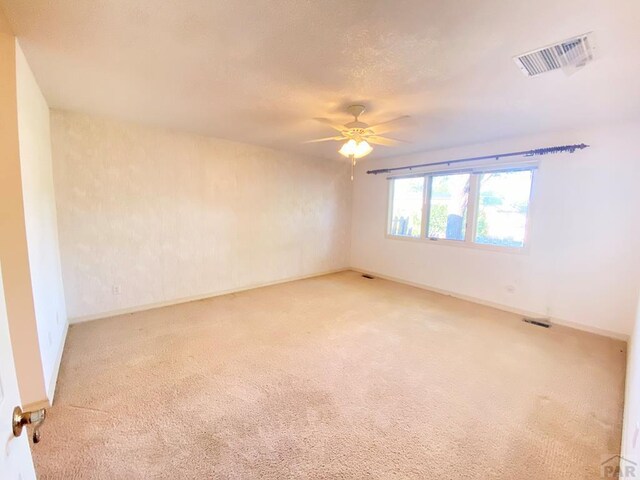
(472, 208)
(390, 207)
(426, 206)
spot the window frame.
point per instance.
(390, 209)
(472, 209)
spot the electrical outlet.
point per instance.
(116, 290)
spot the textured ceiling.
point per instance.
(258, 71)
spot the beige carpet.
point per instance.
(332, 377)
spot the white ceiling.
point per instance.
(258, 71)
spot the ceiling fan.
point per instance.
(358, 136)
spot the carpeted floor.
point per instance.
(332, 377)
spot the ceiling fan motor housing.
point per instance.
(356, 125)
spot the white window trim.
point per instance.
(472, 206)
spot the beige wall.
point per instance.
(40, 219)
(13, 243)
(631, 429)
(148, 216)
(583, 264)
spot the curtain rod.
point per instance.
(526, 153)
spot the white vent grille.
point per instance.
(569, 55)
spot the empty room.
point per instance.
(276, 239)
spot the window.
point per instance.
(482, 208)
(503, 206)
(406, 210)
(448, 197)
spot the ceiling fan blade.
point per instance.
(387, 142)
(388, 125)
(331, 123)
(326, 139)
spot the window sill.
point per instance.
(459, 243)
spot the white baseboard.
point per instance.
(498, 306)
(506, 308)
(56, 367)
(150, 306)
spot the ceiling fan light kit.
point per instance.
(358, 136)
(355, 149)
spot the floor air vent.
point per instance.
(538, 322)
(366, 275)
(568, 55)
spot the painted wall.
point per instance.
(40, 219)
(631, 431)
(583, 265)
(148, 216)
(14, 256)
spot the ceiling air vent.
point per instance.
(569, 55)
